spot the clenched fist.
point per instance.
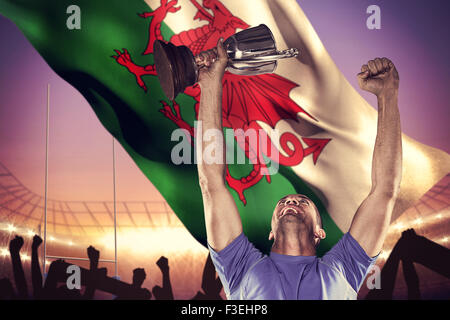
(93, 255)
(16, 244)
(163, 263)
(378, 76)
(36, 242)
(214, 62)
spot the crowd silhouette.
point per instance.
(55, 285)
(409, 249)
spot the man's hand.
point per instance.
(36, 242)
(93, 255)
(15, 244)
(222, 219)
(163, 263)
(371, 221)
(378, 76)
(215, 61)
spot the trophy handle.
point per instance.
(288, 53)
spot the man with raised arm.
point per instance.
(292, 270)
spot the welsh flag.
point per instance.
(326, 130)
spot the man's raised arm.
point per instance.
(372, 219)
(222, 219)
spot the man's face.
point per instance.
(294, 210)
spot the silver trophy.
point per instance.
(250, 52)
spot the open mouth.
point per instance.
(289, 211)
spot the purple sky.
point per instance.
(414, 35)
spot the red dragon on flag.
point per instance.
(246, 99)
